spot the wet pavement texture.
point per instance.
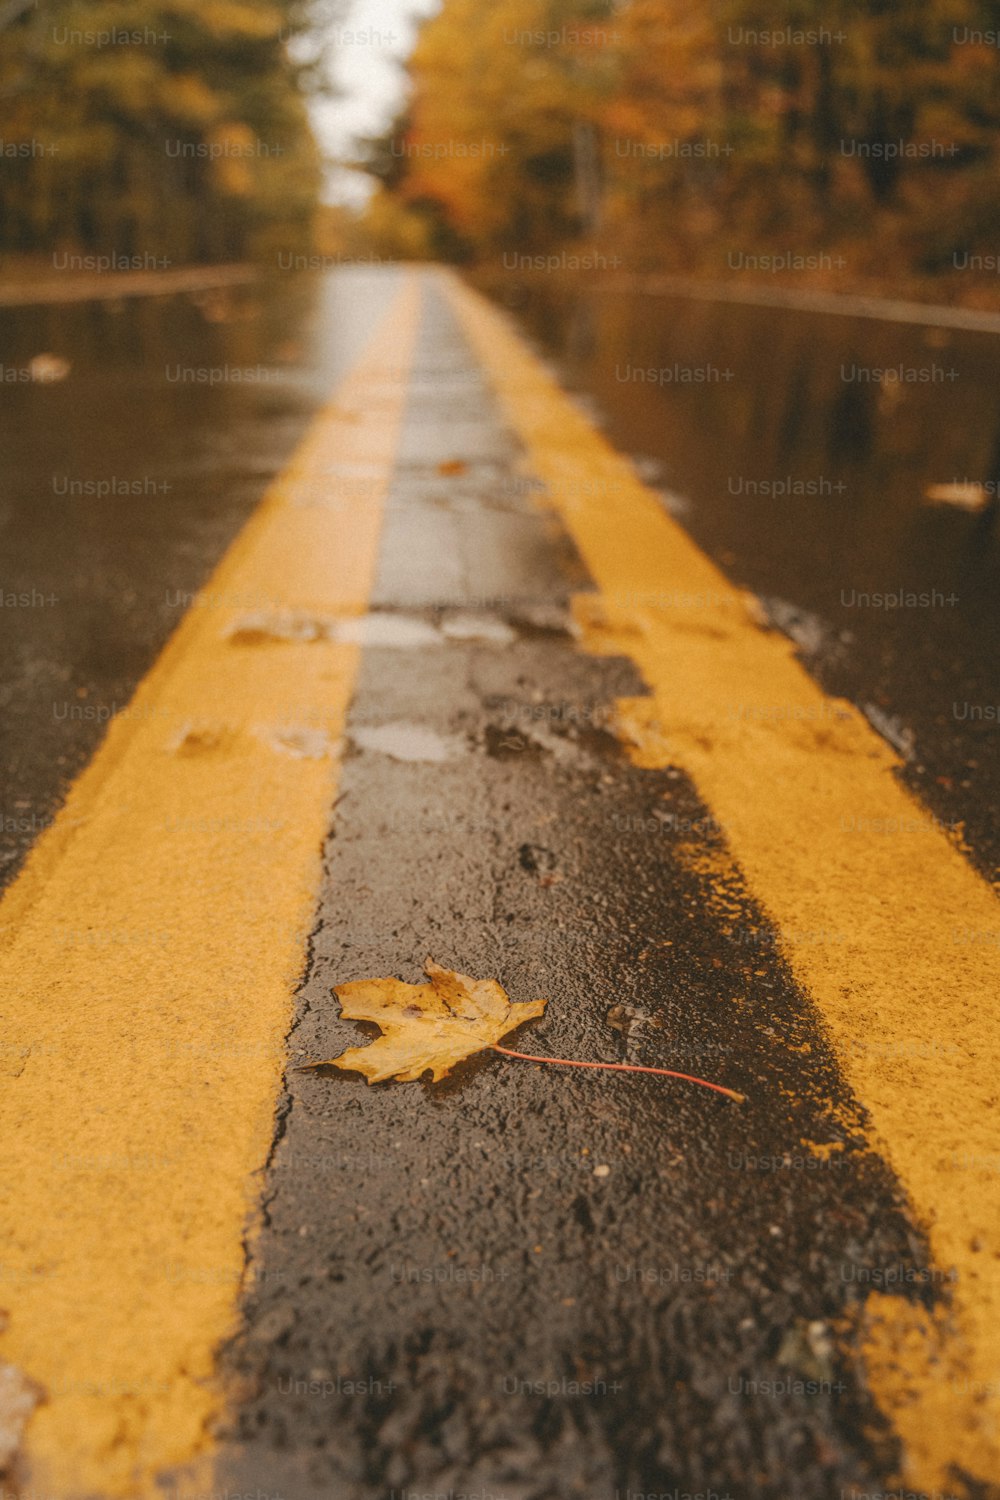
(800, 451)
(532, 1283)
(123, 567)
(123, 485)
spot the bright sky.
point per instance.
(371, 40)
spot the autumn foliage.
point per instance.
(688, 133)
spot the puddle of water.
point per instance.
(385, 630)
(468, 627)
(408, 742)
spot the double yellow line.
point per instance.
(152, 946)
(151, 950)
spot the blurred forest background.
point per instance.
(683, 134)
(658, 134)
(186, 139)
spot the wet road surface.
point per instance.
(805, 487)
(800, 451)
(121, 487)
(527, 1283)
(523, 1283)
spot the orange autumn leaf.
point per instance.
(426, 1027)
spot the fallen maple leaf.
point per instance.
(431, 1027)
(426, 1026)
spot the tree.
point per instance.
(488, 150)
(169, 129)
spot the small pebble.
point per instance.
(602, 1171)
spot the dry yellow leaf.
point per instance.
(426, 1026)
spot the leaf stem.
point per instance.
(565, 1062)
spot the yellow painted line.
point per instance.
(883, 921)
(151, 951)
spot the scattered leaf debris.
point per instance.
(624, 1017)
(504, 744)
(807, 1348)
(965, 495)
(535, 859)
(48, 369)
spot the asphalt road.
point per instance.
(122, 486)
(452, 1294)
(802, 451)
(528, 1282)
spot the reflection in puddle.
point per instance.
(847, 475)
(478, 628)
(409, 742)
(386, 628)
(401, 631)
